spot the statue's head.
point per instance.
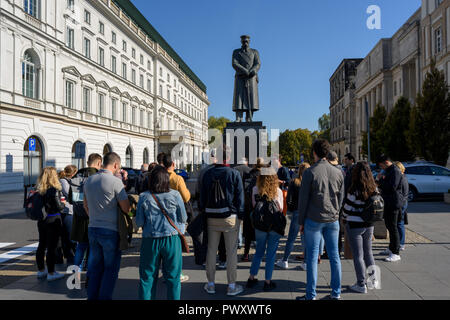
(245, 40)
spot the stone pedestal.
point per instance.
(246, 139)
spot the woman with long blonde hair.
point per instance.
(292, 202)
(267, 189)
(49, 228)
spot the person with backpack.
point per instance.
(292, 202)
(244, 171)
(68, 246)
(80, 218)
(248, 229)
(360, 232)
(222, 199)
(269, 223)
(50, 224)
(390, 184)
(160, 240)
(320, 199)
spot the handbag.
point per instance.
(184, 244)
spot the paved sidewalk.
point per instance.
(422, 273)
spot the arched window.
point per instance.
(129, 158)
(107, 149)
(145, 157)
(79, 154)
(30, 75)
(32, 160)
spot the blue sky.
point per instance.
(301, 43)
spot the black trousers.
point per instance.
(222, 249)
(49, 233)
(391, 219)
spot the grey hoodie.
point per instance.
(321, 193)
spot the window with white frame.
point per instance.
(70, 94)
(133, 116)
(168, 95)
(160, 72)
(160, 90)
(437, 40)
(32, 7)
(149, 120)
(141, 59)
(70, 38)
(141, 81)
(124, 45)
(149, 85)
(141, 118)
(101, 28)
(133, 76)
(133, 53)
(87, 17)
(113, 37)
(114, 109)
(124, 71)
(87, 100)
(149, 65)
(87, 48)
(101, 56)
(71, 5)
(101, 104)
(124, 112)
(30, 75)
(114, 64)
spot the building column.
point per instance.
(383, 95)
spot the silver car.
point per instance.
(427, 179)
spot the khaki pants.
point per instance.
(230, 229)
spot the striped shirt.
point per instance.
(352, 210)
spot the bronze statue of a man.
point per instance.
(247, 64)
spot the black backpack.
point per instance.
(34, 206)
(217, 200)
(374, 209)
(267, 216)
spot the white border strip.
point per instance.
(14, 254)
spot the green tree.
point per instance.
(377, 134)
(294, 143)
(218, 123)
(429, 134)
(396, 130)
(325, 127)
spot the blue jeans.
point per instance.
(269, 241)
(80, 253)
(401, 225)
(294, 228)
(103, 263)
(314, 231)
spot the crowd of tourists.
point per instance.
(89, 218)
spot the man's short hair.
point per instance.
(110, 158)
(383, 158)
(93, 158)
(332, 156)
(160, 157)
(350, 157)
(167, 161)
(321, 147)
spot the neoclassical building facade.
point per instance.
(85, 76)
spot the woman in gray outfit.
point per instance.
(360, 233)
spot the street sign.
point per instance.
(32, 144)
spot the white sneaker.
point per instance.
(393, 258)
(386, 252)
(371, 285)
(210, 289)
(42, 274)
(237, 289)
(402, 248)
(55, 276)
(357, 288)
(303, 266)
(184, 278)
(282, 264)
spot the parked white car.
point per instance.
(426, 179)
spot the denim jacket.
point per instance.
(150, 217)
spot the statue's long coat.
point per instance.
(246, 89)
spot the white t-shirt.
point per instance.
(279, 198)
